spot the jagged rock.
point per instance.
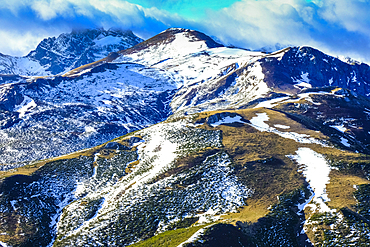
(56, 55)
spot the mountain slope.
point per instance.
(219, 77)
(302, 65)
(50, 117)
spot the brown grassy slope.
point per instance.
(261, 163)
(90, 152)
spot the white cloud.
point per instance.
(339, 27)
(124, 12)
(352, 15)
(258, 23)
(51, 9)
(20, 44)
(20, 19)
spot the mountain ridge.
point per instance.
(55, 55)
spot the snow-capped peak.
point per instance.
(171, 43)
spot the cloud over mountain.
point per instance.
(337, 27)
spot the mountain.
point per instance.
(68, 51)
(188, 143)
(302, 65)
(47, 117)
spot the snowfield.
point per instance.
(228, 119)
(316, 170)
(258, 123)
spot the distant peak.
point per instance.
(81, 46)
(177, 30)
(99, 30)
(273, 48)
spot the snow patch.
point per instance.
(345, 142)
(185, 46)
(340, 128)
(316, 170)
(80, 189)
(303, 82)
(258, 122)
(207, 217)
(2, 244)
(89, 129)
(13, 202)
(331, 81)
(271, 103)
(303, 85)
(280, 126)
(26, 105)
(228, 119)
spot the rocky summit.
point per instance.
(180, 141)
(56, 55)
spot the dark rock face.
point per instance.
(321, 70)
(9, 97)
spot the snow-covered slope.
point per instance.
(20, 66)
(209, 75)
(50, 117)
(67, 51)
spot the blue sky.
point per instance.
(338, 27)
(191, 9)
